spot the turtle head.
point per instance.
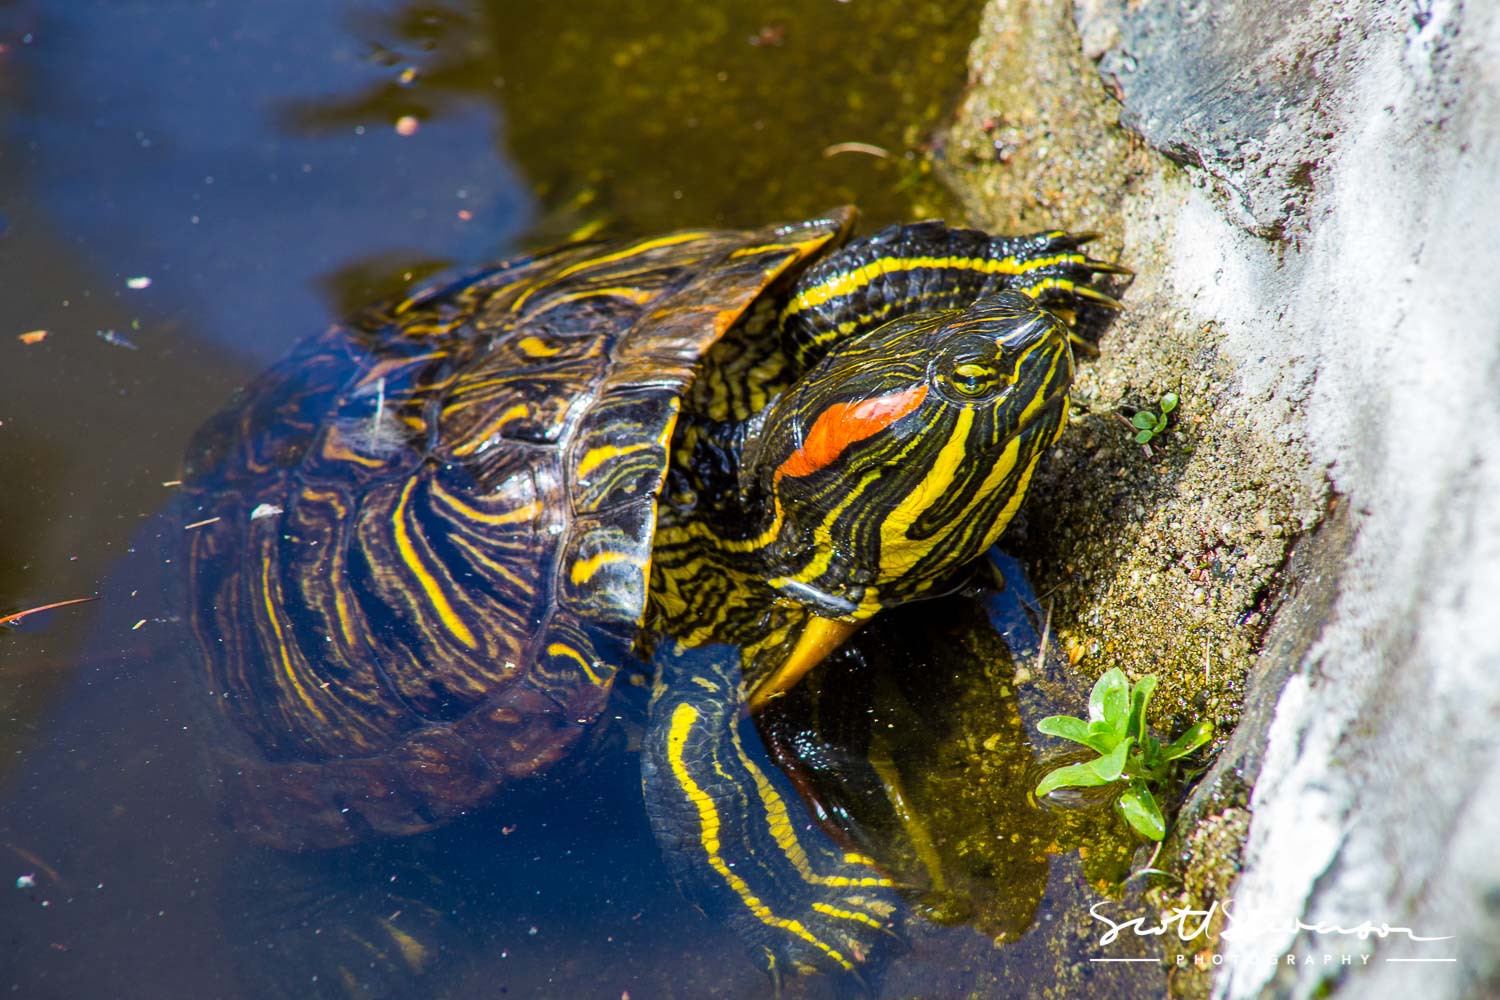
(905, 452)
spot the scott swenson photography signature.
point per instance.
(1195, 925)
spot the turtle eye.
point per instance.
(974, 379)
(970, 370)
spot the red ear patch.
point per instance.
(843, 424)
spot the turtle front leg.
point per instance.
(742, 850)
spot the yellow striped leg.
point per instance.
(743, 850)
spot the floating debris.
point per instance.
(138, 283)
(137, 625)
(16, 618)
(172, 482)
(199, 524)
(408, 76)
(38, 863)
(857, 147)
(407, 125)
(26, 882)
(266, 510)
(118, 340)
(771, 34)
(33, 337)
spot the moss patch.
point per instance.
(1166, 558)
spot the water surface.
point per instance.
(186, 189)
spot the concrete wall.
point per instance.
(1310, 194)
(1363, 141)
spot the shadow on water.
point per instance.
(247, 160)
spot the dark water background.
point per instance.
(245, 158)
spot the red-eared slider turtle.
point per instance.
(436, 533)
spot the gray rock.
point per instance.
(1249, 90)
(1367, 137)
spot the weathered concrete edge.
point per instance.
(1374, 798)
(1310, 592)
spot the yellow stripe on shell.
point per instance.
(521, 584)
(341, 602)
(519, 411)
(520, 515)
(562, 649)
(644, 246)
(596, 457)
(383, 369)
(663, 443)
(287, 667)
(583, 569)
(336, 450)
(801, 248)
(536, 347)
(640, 296)
(336, 582)
(434, 591)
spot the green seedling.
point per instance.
(1128, 753)
(1147, 424)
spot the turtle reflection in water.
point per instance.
(714, 452)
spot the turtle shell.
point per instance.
(422, 541)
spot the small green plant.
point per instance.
(1147, 424)
(1116, 730)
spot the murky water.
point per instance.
(187, 188)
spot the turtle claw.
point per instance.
(1080, 346)
(1108, 267)
(1091, 294)
(1050, 290)
(1072, 241)
(1059, 270)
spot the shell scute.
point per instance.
(467, 482)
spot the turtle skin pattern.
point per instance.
(429, 530)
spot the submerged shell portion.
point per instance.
(467, 488)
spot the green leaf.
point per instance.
(1112, 765)
(1140, 694)
(1198, 734)
(1071, 776)
(1168, 404)
(1150, 748)
(1144, 420)
(1109, 701)
(1105, 696)
(1140, 810)
(1102, 736)
(1099, 771)
(1066, 726)
(1142, 437)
